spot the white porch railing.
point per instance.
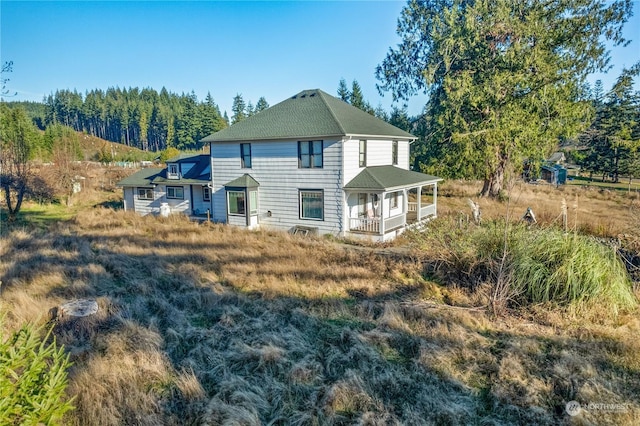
(395, 222)
(365, 225)
(427, 211)
(413, 207)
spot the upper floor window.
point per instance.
(173, 171)
(363, 154)
(175, 192)
(245, 155)
(310, 155)
(394, 153)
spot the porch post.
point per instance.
(382, 197)
(405, 201)
(419, 191)
(435, 199)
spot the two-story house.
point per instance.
(182, 187)
(315, 163)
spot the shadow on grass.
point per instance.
(358, 358)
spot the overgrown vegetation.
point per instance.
(203, 323)
(33, 377)
(530, 265)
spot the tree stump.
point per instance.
(74, 309)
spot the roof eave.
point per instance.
(407, 137)
(275, 138)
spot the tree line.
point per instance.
(140, 118)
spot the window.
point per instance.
(312, 204)
(206, 193)
(236, 203)
(173, 171)
(394, 153)
(145, 194)
(363, 154)
(175, 192)
(310, 155)
(394, 200)
(245, 155)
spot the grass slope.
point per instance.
(207, 324)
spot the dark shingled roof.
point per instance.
(307, 115)
(143, 177)
(244, 181)
(381, 178)
(196, 175)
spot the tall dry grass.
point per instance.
(208, 324)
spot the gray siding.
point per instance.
(198, 202)
(275, 167)
(176, 205)
(378, 154)
(128, 198)
(145, 207)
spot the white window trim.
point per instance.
(173, 174)
(145, 198)
(300, 191)
(244, 193)
(174, 197)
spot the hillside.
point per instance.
(208, 324)
(92, 146)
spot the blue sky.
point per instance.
(271, 49)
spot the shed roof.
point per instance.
(381, 178)
(244, 181)
(307, 115)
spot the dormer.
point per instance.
(173, 171)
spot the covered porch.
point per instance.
(383, 201)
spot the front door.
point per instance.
(363, 199)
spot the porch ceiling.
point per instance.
(384, 178)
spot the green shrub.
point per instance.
(33, 378)
(540, 264)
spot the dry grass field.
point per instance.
(207, 324)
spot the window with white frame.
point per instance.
(312, 204)
(172, 171)
(394, 153)
(245, 155)
(310, 155)
(253, 202)
(363, 154)
(236, 203)
(393, 202)
(145, 194)
(175, 192)
(206, 193)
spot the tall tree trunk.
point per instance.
(493, 183)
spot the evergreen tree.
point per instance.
(355, 97)
(239, 109)
(249, 110)
(343, 91)
(504, 77)
(261, 105)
